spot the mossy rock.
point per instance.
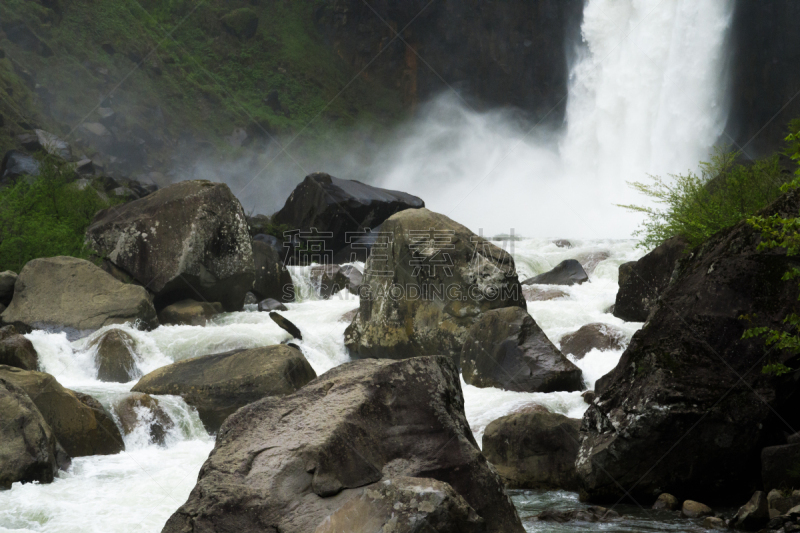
(242, 23)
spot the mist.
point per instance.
(647, 95)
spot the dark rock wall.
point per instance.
(765, 80)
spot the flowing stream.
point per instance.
(138, 489)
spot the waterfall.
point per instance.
(648, 93)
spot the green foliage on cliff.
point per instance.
(698, 205)
(45, 216)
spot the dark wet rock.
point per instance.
(642, 282)
(217, 385)
(250, 299)
(79, 422)
(286, 325)
(66, 292)
(542, 294)
(507, 349)
(569, 272)
(443, 292)
(114, 357)
(17, 164)
(142, 409)
(188, 240)
(693, 509)
(272, 278)
(595, 336)
(7, 281)
(405, 505)
(16, 350)
(271, 304)
(689, 367)
(29, 451)
(667, 502)
(590, 514)
(713, 522)
(285, 464)
(562, 243)
(753, 515)
(781, 501)
(588, 396)
(189, 313)
(330, 279)
(534, 450)
(340, 207)
(780, 467)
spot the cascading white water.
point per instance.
(648, 93)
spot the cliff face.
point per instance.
(765, 80)
(496, 53)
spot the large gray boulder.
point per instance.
(79, 422)
(187, 240)
(217, 385)
(338, 207)
(508, 350)
(115, 356)
(405, 505)
(534, 450)
(594, 336)
(70, 293)
(569, 272)
(189, 313)
(29, 450)
(422, 293)
(272, 278)
(286, 464)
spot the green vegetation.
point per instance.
(697, 206)
(45, 216)
(779, 232)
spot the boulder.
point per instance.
(272, 278)
(189, 313)
(217, 385)
(712, 522)
(16, 350)
(54, 145)
(330, 279)
(753, 515)
(17, 164)
(782, 501)
(683, 390)
(29, 451)
(508, 350)
(7, 281)
(562, 243)
(81, 425)
(286, 325)
(534, 450)
(285, 464)
(642, 282)
(115, 356)
(341, 207)
(588, 396)
(667, 502)
(405, 505)
(595, 336)
(780, 467)
(542, 294)
(422, 294)
(271, 304)
(693, 509)
(592, 514)
(187, 240)
(142, 409)
(73, 294)
(590, 260)
(569, 272)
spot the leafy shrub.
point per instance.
(45, 216)
(698, 205)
